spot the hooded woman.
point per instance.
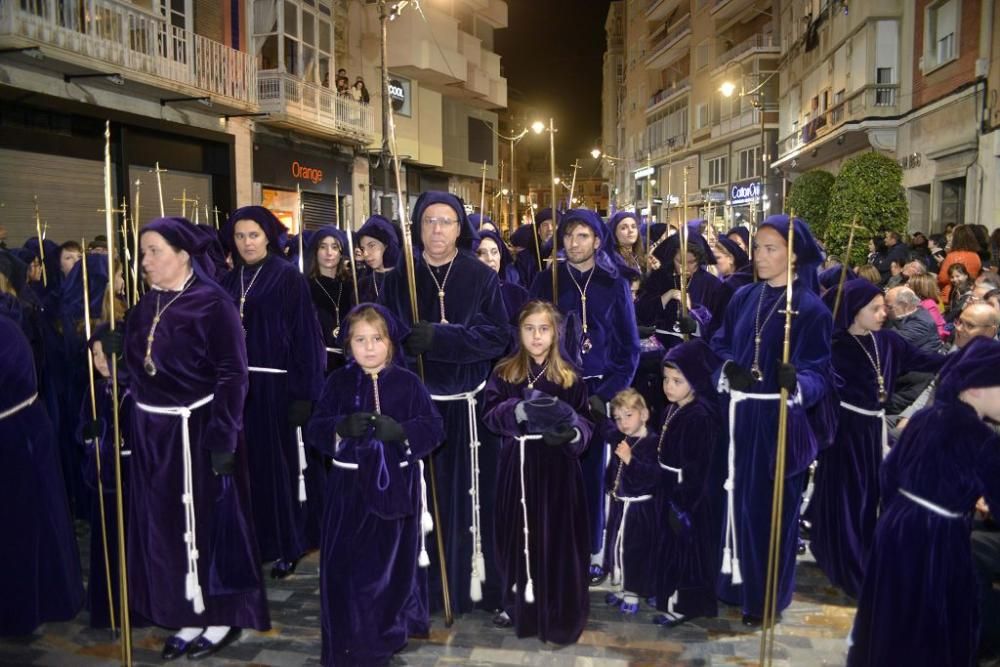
(331, 285)
(185, 349)
(493, 252)
(379, 245)
(626, 246)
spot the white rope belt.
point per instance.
(677, 471)
(300, 441)
(730, 554)
(334, 350)
(192, 588)
(9, 412)
(426, 520)
(529, 588)
(928, 505)
(618, 569)
(879, 414)
(478, 560)
(664, 332)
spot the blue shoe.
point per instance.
(630, 607)
(612, 600)
(669, 620)
(174, 648)
(597, 575)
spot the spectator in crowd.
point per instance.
(985, 283)
(960, 284)
(869, 273)
(896, 275)
(876, 257)
(964, 250)
(926, 289)
(69, 254)
(936, 245)
(897, 251)
(994, 246)
(977, 319)
(360, 92)
(912, 322)
(993, 298)
(983, 238)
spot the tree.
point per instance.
(810, 199)
(869, 188)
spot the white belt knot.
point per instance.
(478, 560)
(192, 587)
(618, 566)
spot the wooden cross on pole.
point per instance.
(572, 185)
(159, 186)
(184, 202)
(844, 261)
(215, 210)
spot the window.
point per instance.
(295, 37)
(940, 43)
(885, 94)
(717, 169)
(701, 116)
(747, 163)
(702, 54)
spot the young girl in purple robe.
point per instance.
(685, 553)
(918, 603)
(631, 479)
(538, 403)
(377, 421)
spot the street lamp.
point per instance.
(613, 160)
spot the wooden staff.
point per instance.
(159, 186)
(777, 498)
(97, 440)
(41, 245)
(572, 184)
(411, 276)
(555, 226)
(126, 625)
(482, 196)
(683, 250)
(126, 255)
(136, 218)
(843, 267)
(215, 211)
(183, 199)
(298, 224)
(336, 208)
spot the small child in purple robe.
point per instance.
(631, 478)
(538, 403)
(376, 421)
(685, 553)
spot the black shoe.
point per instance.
(502, 620)
(800, 547)
(201, 647)
(597, 575)
(751, 621)
(174, 648)
(283, 569)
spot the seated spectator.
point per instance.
(876, 257)
(960, 284)
(911, 321)
(925, 287)
(914, 268)
(993, 298)
(985, 283)
(964, 250)
(869, 273)
(896, 276)
(936, 245)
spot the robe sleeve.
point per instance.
(332, 406)
(912, 358)
(642, 474)
(577, 397)
(499, 402)
(227, 349)
(308, 352)
(623, 353)
(988, 471)
(419, 417)
(811, 349)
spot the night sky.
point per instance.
(565, 79)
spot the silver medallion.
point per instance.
(756, 374)
(149, 366)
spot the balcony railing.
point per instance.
(754, 42)
(135, 41)
(675, 31)
(281, 93)
(667, 93)
(872, 101)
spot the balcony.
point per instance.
(756, 44)
(664, 97)
(675, 36)
(871, 102)
(736, 122)
(657, 10)
(103, 35)
(296, 104)
(728, 10)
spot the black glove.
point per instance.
(559, 436)
(739, 378)
(420, 339)
(646, 332)
(299, 412)
(388, 429)
(223, 463)
(598, 408)
(112, 342)
(354, 425)
(91, 430)
(787, 379)
(687, 325)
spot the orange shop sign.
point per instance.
(305, 173)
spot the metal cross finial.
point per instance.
(184, 202)
(159, 186)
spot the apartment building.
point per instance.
(684, 131)
(446, 90)
(613, 97)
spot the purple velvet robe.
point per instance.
(459, 360)
(557, 516)
(844, 505)
(641, 477)
(610, 365)
(756, 425)
(685, 553)
(40, 579)
(373, 595)
(371, 284)
(97, 582)
(918, 601)
(198, 350)
(333, 299)
(282, 332)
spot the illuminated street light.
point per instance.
(727, 88)
(538, 127)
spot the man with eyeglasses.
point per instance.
(463, 327)
(592, 291)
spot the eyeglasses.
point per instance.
(442, 222)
